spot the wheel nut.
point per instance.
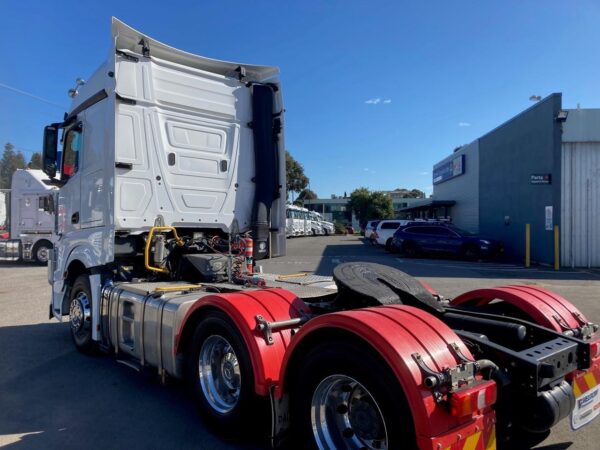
(348, 433)
(342, 408)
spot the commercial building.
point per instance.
(337, 209)
(541, 168)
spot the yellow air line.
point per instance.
(178, 240)
(178, 288)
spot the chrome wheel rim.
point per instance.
(344, 414)
(79, 312)
(42, 254)
(219, 374)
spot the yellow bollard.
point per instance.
(527, 245)
(556, 248)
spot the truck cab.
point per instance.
(27, 217)
(158, 136)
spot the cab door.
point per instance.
(93, 193)
(69, 204)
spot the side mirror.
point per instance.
(50, 150)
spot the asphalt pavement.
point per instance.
(52, 397)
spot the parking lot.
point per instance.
(52, 397)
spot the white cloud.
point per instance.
(464, 124)
(378, 100)
(424, 173)
(366, 169)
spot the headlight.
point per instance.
(485, 242)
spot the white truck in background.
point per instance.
(27, 217)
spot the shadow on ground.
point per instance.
(355, 249)
(53, 397)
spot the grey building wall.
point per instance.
(529, 143)
(580, 224)
(463, 189)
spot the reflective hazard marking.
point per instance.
(471, 442)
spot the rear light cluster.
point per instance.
(466, 401)
(595, 349)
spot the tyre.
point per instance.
(220, 375)
(345, 397)
(410, 250)
(470, 253)
(326, 232)
(41, 252)
(388, 245)
(80, 315)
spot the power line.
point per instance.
(28, 94)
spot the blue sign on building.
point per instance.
(449, 169)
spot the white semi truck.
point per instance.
(27, 217)
(172, 180)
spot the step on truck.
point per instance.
(172, 187)
(27, 217)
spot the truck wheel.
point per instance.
(41, 252)
(80, 314)
(347, 398)
(220, 374)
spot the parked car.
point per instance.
(370, 228)
(385, 231)
(419, 238)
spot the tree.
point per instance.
(370, 205)
(416, 193)
(380, 206)
(405, 193)
(294, 172)
(305, 194)
(10, 162)
(359, 203)
(36, 161)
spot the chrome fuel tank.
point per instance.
(141, 320)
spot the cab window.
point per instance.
(71, 151)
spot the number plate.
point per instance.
(587, 408)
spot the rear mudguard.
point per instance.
(396, 333)
(544, 307)
(242, 308)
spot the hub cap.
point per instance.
(79, 312)
(219, 374)
(42, 254)
(345, 415)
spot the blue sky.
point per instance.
(376, 92)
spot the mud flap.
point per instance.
(280, 418)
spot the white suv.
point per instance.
(385, 231)
(370, 228)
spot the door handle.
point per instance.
(75, 218)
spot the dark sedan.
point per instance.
(413, 240)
